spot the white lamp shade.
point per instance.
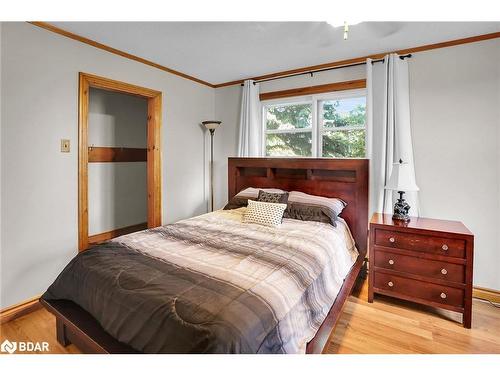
(401, 178)
(211, 125)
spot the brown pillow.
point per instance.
(302, 206)
(307, 212)
(236, 202)
(241, 199)
(265, 196)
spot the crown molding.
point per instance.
(284, 73)
(93, 43)
(358, 60)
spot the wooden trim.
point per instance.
(116, 154)
(154, 162)
(108, 84)
(427, 47)
(83, 213)
(93, 43)
(485, 293)
(101, 237)
(20, 309)
(311, 90)
(154, 99)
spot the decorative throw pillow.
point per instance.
(302, 206)
(241, 199)
(265, 196)
(263, 213)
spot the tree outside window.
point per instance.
(339, 127)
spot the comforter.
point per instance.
(212, 284)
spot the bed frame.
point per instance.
(342, 178)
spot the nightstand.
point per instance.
(426, 261)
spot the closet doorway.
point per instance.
(120, 155)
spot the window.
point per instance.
(328, 125)
(289, 129)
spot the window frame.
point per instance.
(317, 129)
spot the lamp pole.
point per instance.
(211, 126)
(212, 132)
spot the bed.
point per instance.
(212, 284)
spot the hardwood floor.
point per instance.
(391, 326)
(386, 326)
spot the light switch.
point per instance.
(64, 145)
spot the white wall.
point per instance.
(117, 195)
(336, 75)
(39, 184)
(455, 123)
(455, 101)
(1, 69)
(227, 110)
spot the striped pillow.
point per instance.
(302, 206)
(264, 213)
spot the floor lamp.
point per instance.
(211, 126)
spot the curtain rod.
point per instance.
(311, 72)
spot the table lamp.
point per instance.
(401, 180)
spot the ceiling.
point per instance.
(219, 52)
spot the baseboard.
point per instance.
(101, 237)
(20, 309)
(485, 293)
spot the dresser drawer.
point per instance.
(428, 244)
(417, 266)
(419, 289)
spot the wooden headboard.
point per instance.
(341, 178)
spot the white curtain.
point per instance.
(250, 129)
(388, 129)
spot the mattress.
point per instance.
(212, 284)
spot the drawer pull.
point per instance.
(392, 239)
(444, 247)
(391, 262)
(443, 295)
(390, 283)
(443, 271)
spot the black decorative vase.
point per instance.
(401, 209)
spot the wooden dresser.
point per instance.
(425, 260)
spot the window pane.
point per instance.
(289, 116)
(289, 144)
(344, 112)
(344, 144)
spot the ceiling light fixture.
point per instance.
(337, 23)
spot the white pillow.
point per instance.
(264, 213)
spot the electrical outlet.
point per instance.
(64, 145)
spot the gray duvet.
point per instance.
(212, 284)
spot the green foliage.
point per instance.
(332, 118)
(344, 144)
(289, 144)
(296, 116)
(339, 143)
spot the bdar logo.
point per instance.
(24, 346)
(9, 347)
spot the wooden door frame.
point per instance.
(154, 99)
